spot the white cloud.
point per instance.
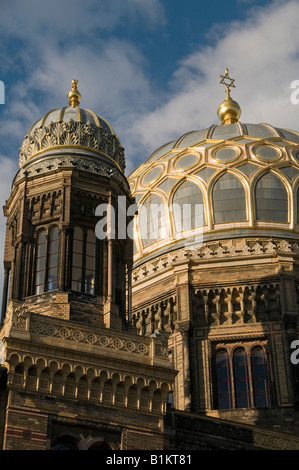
(262, 53)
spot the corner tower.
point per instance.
(70, 162)
(74, 375)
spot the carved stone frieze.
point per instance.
(222, 250)
(89, 337)
(62, 134)
(95, 167)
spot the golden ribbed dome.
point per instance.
(235, 180)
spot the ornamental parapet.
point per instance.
(225, 250)
(21, 323)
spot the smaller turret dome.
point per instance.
(72, 127)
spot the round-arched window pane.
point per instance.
(260, 380)
(90, 259)
(241, 379)
(77, 259)
(224, 391)
(271, 199)
(187, 207)
(229, 203)
(40, 271)
(53, 259)
(152, 220)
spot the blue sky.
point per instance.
(150, 67)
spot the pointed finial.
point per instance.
(74, 95)
(229, 110)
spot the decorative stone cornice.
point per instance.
(223, 250)
(64, 161)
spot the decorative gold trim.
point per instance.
(148, 170)
(187, 168)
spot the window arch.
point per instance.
(188, 207)
(229, 202)
(271, 199)
(46, 271)
(152, 220)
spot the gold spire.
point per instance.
(74, 95)
(229, 110)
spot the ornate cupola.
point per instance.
(71, 162)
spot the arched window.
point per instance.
(223, 380)
(271, 199)
(41, 254)
(229, 203)
(152, 220)
(84, 260)
(77, 259)
(241, 379)
(53, 259)
(90, 265)
(46, 261)
(187, 207)
(260, 379)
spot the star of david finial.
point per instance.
(228, 82)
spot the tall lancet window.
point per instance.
(90, 259)
(77, 259)
(52, 259)
(46, 261)
(83, 261)
(41, 254)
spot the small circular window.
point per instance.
(152, 175)
(226, 154)
(267, 153)
(186, 161)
